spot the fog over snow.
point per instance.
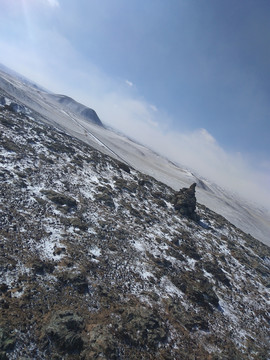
(197, 150)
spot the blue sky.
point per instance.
(189, 78)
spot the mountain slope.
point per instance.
(46, 107)
(96, 263)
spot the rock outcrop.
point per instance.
(17, 108)
(185, 202)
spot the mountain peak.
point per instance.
(78, 108)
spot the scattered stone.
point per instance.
(60, 199)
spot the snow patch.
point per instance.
(138, 246)
(95, 251)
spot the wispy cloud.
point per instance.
(153, 107)
(52, 3)
(129, 83)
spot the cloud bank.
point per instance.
(197, 150)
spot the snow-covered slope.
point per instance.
(66, 114)
(98, 263)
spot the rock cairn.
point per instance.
(185, 202)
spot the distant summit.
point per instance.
(37, 98)
(76, 107)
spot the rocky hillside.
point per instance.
(80, 122)
(101, 262)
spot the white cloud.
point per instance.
(129, 83)
(52, 3)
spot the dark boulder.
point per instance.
(124, 167)
(185, 202)
(17, 108)
(60, 199)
